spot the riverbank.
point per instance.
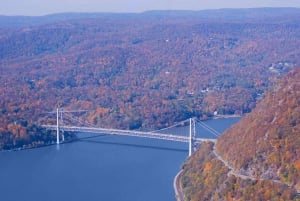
(225, 116)
(221, 123)
(36, 146)
(177, 187)
(27, 147)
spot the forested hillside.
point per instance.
(141, 70)
(269, 138)
(262, 152)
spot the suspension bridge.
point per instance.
(163, 134)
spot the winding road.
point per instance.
(179, 190)
(242, 176)
(231, 172)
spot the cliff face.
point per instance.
(261, 152)
(265, 144)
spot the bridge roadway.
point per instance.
(162, 136)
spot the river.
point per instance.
(96, 168)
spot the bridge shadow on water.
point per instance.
(97, 140)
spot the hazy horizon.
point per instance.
(46, 7)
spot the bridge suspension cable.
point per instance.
(80, 122)
(59, 121)
(208, 128)
(67, 111)
(173, 126)
(157, 134)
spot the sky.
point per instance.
(44, 7)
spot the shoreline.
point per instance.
(179, 195)
(35, 147)
(226, 116)
(26, 147)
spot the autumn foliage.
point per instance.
(264, 145)
(206, 178)
(266, 142)
(142, 71)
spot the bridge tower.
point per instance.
(192, 136)
(60, 122)
(57, 125)
(59, 114)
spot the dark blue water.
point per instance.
(98, 167)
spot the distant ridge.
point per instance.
(227, 13)
(141, 70)
(20, 21)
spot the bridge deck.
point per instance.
(162, 136)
